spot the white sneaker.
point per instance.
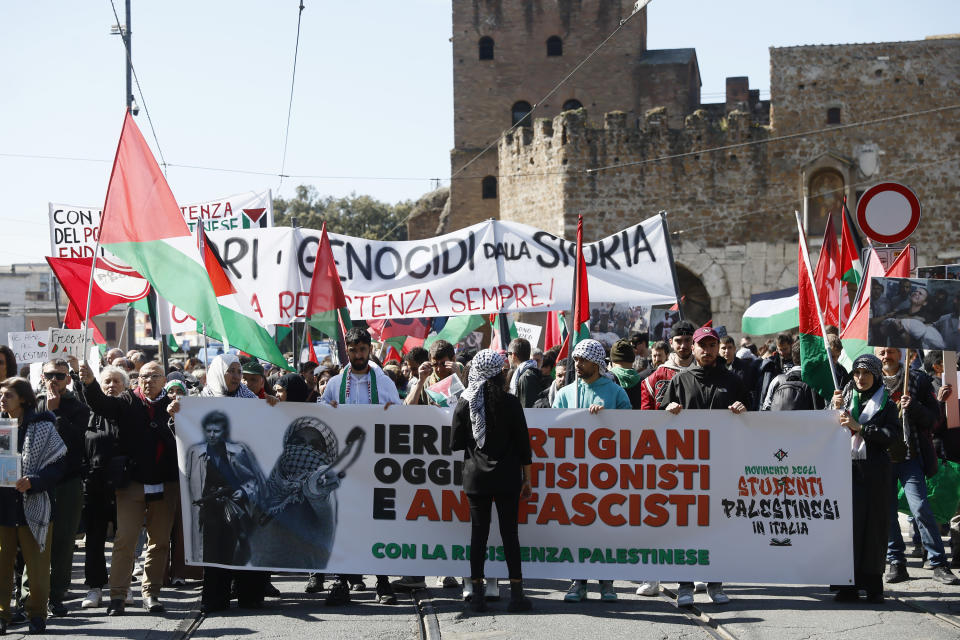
(447, 582)
(685, 597)
(409, 583)
(491, 590)
(92, 601)
(467, 589)
(717, 595)
(649, 588)
(138, 569)
(699, 587)
(130, 598)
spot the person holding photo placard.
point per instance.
(26, 511)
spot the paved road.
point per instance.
(917, 609)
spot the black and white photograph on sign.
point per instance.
(611, 321)
(661, 321)
(240, 517)
(940, 272)
(915, 313)
(9, 458)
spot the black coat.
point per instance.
(871, 490)
(71, 420)
(11, 500)
(497, 467)
(144, 436)
(529, 386)
(713, 387)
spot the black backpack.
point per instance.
(794, 395)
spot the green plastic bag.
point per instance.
(943, 492)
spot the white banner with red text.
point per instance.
(490, 267)
(704, 495)
(74, 228)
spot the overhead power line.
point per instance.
(293, 79)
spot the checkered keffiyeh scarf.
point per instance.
(485, 365)
(297, 462)
(42, 446)
(593, 351)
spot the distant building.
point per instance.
(731, 210)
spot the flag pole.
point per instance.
(673, 265)
(93, 270)
(816, 299)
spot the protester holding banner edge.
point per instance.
(874, 424)
(360, 383)
(708, 384)
(594, 391)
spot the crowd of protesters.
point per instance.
(99, 453)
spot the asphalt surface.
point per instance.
(917, 609)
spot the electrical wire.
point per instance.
(293, 78)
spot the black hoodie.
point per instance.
(713, 387)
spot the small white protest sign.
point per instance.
(529, 332)
(68, 342)
(28, 346)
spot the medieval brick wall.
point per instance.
(732, 211)
(485, 90)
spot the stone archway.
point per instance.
(696, 305)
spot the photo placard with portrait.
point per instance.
(9, 458)
(915, 313)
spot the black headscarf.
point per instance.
(297, 389)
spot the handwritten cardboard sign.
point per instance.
(29, 346)
(68, 342)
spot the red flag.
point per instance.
(581, 303)
(827, 276)
(214, 264)
(73, 320)
(313, 353)
(32, 326)
(551, 334)
(111, 286)
(326, 291)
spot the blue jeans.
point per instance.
(910, 475)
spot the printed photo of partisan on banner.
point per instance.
(915, 313)
(705, 495)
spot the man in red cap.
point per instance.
(708, 384)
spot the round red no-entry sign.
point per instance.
(888, 213)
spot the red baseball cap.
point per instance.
(705, 332)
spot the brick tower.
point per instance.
(507, 54)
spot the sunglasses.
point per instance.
(50, 375)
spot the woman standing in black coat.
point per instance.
(488, 425)
(874, 422)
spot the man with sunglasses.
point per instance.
(72, 417)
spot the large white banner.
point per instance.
(74, 229)
(491, 267)
(705, 495)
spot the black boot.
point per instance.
(518, 601)
(478, 604)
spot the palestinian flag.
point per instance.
(446, 392)
(851, 248)
(327, 307)
(143, 226)
(502, 331)
(815, 367)
(772, 312)
(581, 301)
(854, 335)
(456, 329)
(827, 277)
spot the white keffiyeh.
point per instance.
(216, 379)
(593, 351)
(42, 446)
(485, 365)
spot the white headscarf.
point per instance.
(485, 365)
(216, 382)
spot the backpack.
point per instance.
(793, 395)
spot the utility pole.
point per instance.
(131, 107)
